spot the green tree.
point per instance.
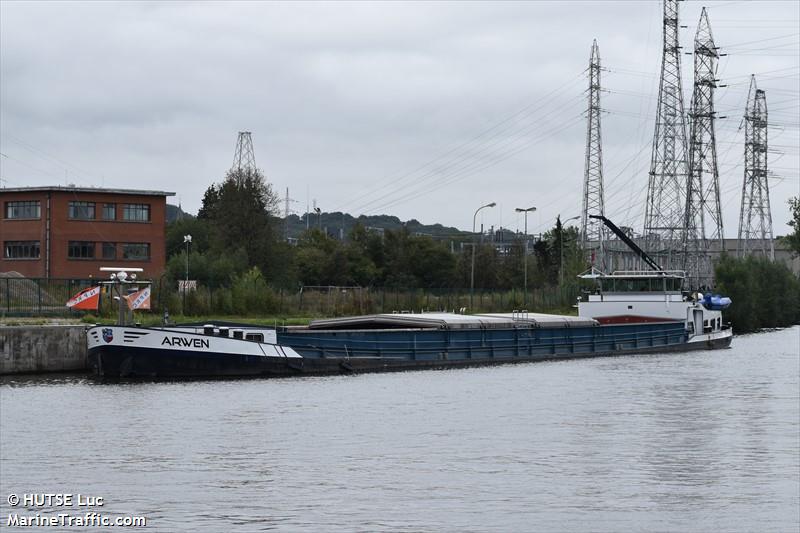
(368, 248)
(197, 228)
(397, 260)
(430, 262)
(511, 272)
(764, 293)
(794, 238)
(238, 212)
(312, 258)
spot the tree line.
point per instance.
(237, 230)
(237, 244)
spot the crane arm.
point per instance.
(627, 240)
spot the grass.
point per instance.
(156, 320)
(38, 321)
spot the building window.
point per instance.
(26, 209)
(109, 250)
(109, 211)
(21, 250)
(136, 212)
(81, 210)
(80, 250)
(136, 251)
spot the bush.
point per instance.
(251, 294)
(765, 294)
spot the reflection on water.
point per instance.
(692, 442)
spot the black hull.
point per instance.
(132, 363)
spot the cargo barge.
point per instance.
(610, 322)
(397, 342)
(633, 312)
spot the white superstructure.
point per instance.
(635, 297)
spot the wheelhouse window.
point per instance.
(80, 250)
(637, 285)
(109, 211)
(136, 212)
(109, 250)
(23, 209)
(21, 250)
(643, 284)
(674, 284)
(81, 210)
(136, 251)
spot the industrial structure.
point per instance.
(244, 159)
(755, 216)
(703, 209)
(592, 231)
(665, 206)
(683, 226)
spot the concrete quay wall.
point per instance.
(45, 348)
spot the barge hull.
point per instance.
(132, 363)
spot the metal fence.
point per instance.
(35, 297)
(38, 296)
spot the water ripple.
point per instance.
(693, 442)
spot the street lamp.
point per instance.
(319, 217)
(561, 242)
(187, 239)
(525, 257)
(472, 273)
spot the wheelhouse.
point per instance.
(628, 281)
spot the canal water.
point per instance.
(703, 441)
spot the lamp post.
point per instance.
(561, 253)
(525, 252)
(472, 272)
(187, 239)
(319, 218)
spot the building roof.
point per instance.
(96, 190)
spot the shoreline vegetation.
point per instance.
(765, 295)
(244, 266)
(244, 269)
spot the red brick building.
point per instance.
(70, 232)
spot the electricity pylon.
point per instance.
(755, 217)
(703, 211)
(665, 209)
(592, 230)
(244, 159)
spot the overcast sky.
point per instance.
(420, 110)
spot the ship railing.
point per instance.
(648, 273)
(519, 314)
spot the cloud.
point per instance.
(351, 100)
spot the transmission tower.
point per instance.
(244, 159)
(755, 217)
(592, 232)
(703, 212)
(666, 190)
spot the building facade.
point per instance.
(70, 232)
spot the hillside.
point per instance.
(333, 223)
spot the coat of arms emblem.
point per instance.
(108, 334)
